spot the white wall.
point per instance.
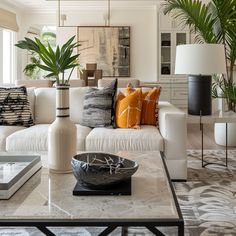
(143, 23)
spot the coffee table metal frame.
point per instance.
(110, 225)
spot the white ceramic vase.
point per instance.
(220, 134)
(220, 128)
(62, 135)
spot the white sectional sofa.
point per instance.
(169, 139)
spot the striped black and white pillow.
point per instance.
(15, 107)
(99, 106)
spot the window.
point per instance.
(46, 35)
(7, 57)
(49, 35)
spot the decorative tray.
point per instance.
(122, 188)
(15, 170)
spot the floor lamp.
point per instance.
(200, 62)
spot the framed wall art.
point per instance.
(109, 47)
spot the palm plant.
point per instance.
(57, 62)
(31, 70)
(213, 22)
(49, 37)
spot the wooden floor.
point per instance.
(194, 137)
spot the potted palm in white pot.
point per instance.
(62, 133)
(213, 22)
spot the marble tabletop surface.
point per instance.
(216, 117)
(49, 196)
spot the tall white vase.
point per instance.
(61, 135)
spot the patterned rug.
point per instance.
(208, 198)
(207, 201)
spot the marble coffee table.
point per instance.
(46, 200)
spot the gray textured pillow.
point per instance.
(15, 107)
(99, 106)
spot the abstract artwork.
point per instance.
(109, 47)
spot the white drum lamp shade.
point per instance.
(199, 62)
(200, 59)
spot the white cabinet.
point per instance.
(175, 93)
(165, 92)
(168, 40)
(171, 34)
(174, 87)
(168, 23)
(179, 95)
(165, 22)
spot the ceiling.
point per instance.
(26, 5)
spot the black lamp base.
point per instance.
(199, 95)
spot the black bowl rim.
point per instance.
(136, 165)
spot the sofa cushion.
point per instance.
(31, 139)
(14, 107)
(82, 133)
(31, 98)
(77, 103)
(147, 138)
(45, 104)
(150, 107)
(128, 109)
(5, 131)
(98, 110)
(35, 138)
(122, 82)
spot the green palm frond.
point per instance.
(195, 14)
(54, 62)
(48, 34)
(214, 22)
(224, 14)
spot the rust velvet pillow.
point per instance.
(150, 107)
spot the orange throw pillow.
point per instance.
(128, 110)
(129, 89)
(150, 107)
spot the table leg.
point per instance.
(46, 231)
(124, 231)
(108, 230)
(202, 133)
(205, 163)
(226, 145)
(181, 230)
(155, 231)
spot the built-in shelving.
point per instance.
(174, 87)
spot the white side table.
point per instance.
(216, 117)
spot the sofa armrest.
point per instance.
(173, 128)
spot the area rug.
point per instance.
(207, 201)
(208, 198)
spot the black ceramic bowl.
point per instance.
(102, 170)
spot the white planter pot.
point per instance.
(220, 134)
(62, 135)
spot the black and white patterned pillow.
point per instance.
(99, 106)
(15, 107)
